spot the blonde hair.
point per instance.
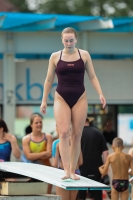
(69, 30)
(118, 142)
(32, 117)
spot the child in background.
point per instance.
(130, 152)
(8, 143)
(120, 164)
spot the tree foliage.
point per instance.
(22, 5)
(106, 8)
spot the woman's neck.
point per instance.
(36, 133)
(1, 135)
(70, 51)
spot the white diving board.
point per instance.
(51, 175)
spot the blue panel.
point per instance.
(93, 56)
(33, 22)
(14, 20)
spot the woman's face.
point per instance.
(69, 41)
(37, 124)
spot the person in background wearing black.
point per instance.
(108, 132)
(95, 152)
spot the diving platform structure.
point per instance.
(18, 178)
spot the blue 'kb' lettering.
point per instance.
(29, 90)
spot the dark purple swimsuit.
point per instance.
(70, 80)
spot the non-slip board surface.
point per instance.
(51, 175)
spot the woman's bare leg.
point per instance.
(49, 189)
(79, 113)
(73, 194)
(62, 114)
(63, 193)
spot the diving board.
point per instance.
(51, 175)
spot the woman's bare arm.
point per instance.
(48, 152)
(93, 78)
(48, 82)
(15, 148)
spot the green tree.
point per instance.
(55, 6)
(106, 8)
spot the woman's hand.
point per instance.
(103, 100)
(10, 138)
(43, 107)
(15, 148)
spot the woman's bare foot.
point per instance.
(74, 177)
(66, 176)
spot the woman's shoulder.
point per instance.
(55, 57)
(84, 55)
(55, 54)
(83, 51)
(26, 138)
(48, 135)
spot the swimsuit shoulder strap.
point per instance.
(79, 53)
(45, 138)
(60, 55)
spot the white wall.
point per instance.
(115, 77)
(48, 42)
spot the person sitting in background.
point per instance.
(120, 164)
(8, 143)
(37, 146)
(28, 130)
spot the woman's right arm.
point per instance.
(48, 82)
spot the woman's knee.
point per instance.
(76, 135)
(64, 133)
(77, 132)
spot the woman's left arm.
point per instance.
(93, 78)
(14, 145)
